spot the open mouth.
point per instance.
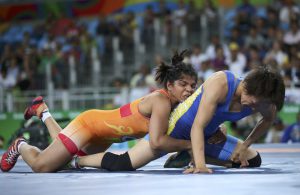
(186, 96)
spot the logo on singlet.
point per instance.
(119, 129)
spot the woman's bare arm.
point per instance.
(159, 125)
(214, 93)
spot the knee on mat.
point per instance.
(255, 162)
(41, 167)
(115, 162)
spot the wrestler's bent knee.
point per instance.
(114, 162)
(253, 162)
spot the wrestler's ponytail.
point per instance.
(178, 58)
(162, 73)
(171, 72)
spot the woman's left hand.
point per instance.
(240, 155)
(194, 170)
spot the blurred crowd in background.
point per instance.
(251, 37)
(238, 39)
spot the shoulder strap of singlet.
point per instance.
(163, 92)
(232, 83)
(230, 79)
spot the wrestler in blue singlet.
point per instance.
(182, 118)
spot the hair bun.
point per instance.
(177, 58)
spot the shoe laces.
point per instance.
(13, 153)
(12, 156)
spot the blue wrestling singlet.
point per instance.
(182, 118)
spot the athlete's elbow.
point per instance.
(155, 144)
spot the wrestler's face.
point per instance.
(249, 100)
(182, 88)
(254, 102)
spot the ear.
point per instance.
(169, 85)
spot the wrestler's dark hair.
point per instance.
(171, 72)
(265, 83)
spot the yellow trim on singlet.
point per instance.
(181, 109)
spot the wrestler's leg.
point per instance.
(68, 142)
(48, 160)
(95, 147)
(136, 157)
(40, 109)
(94, 155)
(142, 153)
(53, 127)
(215, 154)
(220, 154)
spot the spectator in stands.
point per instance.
(206, 69)
(277, 54)
(142, 83)
(197, 57)
(215, 42)
(292, 132)
(147, 32)
(254, 59)
(269, 39)
(47, 62)
(10, 74)
(245, 12)
(272, 17)
(274, 134)
(247, 9)
(237, 60)
(254, 39)
(288, 12)
(121, 98)
(163, 10)
(243, 127)
(25, 73)
(179, 20)
(236, 37)
(168, 28)
(219, 62)
(261, 27)
(6, 55)
(293, 72)
(31, 62)
(210, 12)
(143, 78)
(127, 26)
(292, 36)
(193, 23)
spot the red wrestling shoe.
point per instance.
(36, 108)
(10, 157)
